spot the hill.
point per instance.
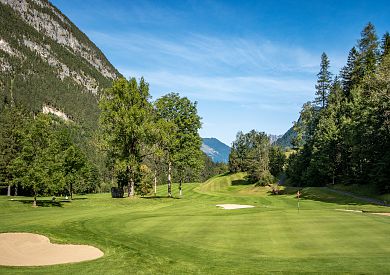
(286, 139)
(47, 63)
(216, 150)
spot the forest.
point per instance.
(342, 136)
(138, 145)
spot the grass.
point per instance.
(191, 235)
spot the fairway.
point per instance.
(192, 235)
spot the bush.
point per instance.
(266, 179)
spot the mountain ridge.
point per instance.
(215, 149)
(46, 61)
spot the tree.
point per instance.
(368, 50)
(323, 82)
(349, 73)
(73, 163)
(250, 154)
(181, 141)
(31, 167)
(12, 122)
(126, 122)
(277, 159)
(385, 46)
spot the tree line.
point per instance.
(343, 135)
(144, 138)
(142, 143)
(40, 155)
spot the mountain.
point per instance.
(273, 138)
(48, 64)
(286, 139)
(216, 150)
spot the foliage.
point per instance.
(48, 162)
(348, 140)
(181, 140)
(250, 153)
(127, 126)
(277, 159)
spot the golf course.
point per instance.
(190, 234)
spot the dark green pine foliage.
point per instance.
(323, 82)
(368, 51)
(349, 73)
(385, 45)
(348, 141)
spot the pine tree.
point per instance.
(349, 73)
(323, 82)
(385, 46)
(368, 50)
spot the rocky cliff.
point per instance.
(45, 60)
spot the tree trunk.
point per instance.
(9, 190)
(180, 189)
(35, 200)
(71, 191)
(169, 180)
(16, 190)
(131, 187)
(155, 183)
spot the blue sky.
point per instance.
(248, 64)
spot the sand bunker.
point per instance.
(234, 206)
(350, 210)
(382, 214)
(26, 249)
(360, 211)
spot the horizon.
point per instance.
(248, 65)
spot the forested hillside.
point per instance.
(45, 60)
(343, 135)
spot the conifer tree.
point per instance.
(349, 72)
(368, 50)
(323, 82)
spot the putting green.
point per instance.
(192, 235)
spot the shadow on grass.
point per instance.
(322, 194)
(241, 182)
(44, 203)
(159, 197)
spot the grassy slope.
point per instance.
(191, 235)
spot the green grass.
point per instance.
(191, 235)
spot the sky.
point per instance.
(247, 64)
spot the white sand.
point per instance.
(27, 249)
(234, 206)
(350, 210)
(382, 214)
(360, 211)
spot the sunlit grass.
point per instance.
(191, 235)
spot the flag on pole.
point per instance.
(298, 196)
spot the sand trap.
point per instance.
(360, 211)
(350, 210)
(234, 206)
(27, 249)
(382, 214)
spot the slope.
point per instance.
(46, 61)
(216, 150)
